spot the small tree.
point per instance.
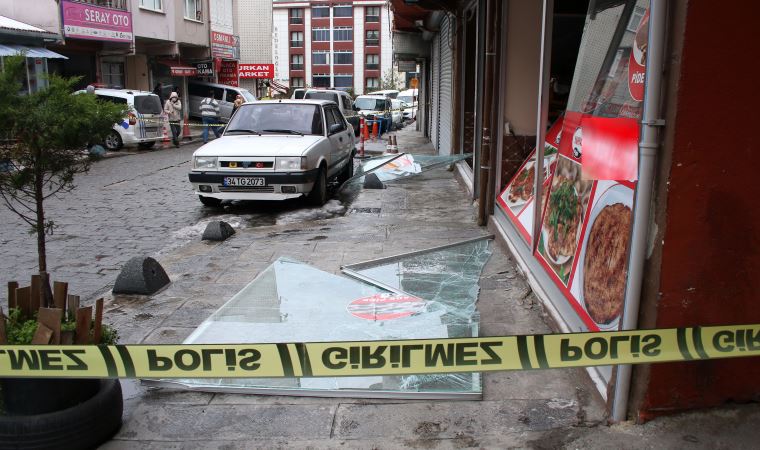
(43, 141)
(391, 80)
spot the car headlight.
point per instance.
(205, 162)
(290, 163)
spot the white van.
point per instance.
(143, 125)
(409, 97)
(390, 93)
(224, 95)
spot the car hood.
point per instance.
(254, 145)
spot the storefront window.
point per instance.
(590, 167)
(112, 73)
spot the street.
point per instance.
(126, 206)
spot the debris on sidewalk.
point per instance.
(420, 295)
(393, 167)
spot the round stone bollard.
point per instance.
(142, 276)
(217, 230)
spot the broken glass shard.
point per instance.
(403, 165)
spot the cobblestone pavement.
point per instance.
(133, 205)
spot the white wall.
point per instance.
(386, 42)
(154, 25)
(44, 14)
(255, 31)
(358, 49)
(280, 45)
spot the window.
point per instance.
(334, 117)
(155, 5)
(373, 83)
(347, 106)
(230, 95)
(113, 73)
(343, 58)
(343, 11)
(373, 37)
(296, 62)
(320, 80)
(296, 82)
(108, 98)
(320, 34)
(344, 80)
(636, 16)
(343, 34)
(296, 39)
(194, 9)
(373, 62)
(296, 16)
(319, 58)
(306, 119)
(321, 95)
(372, 14)
(320, 11)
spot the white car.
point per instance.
(397, 112)
(276, 150)
(409, 97)
(390, 93)
(143, 125)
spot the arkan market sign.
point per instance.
(265, 71)
(85, 21)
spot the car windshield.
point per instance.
(247, 95)
(370, 104)
(405, 98)
(276, 118)
(147, 104)
(299, 94)
(322, 96)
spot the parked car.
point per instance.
(276, 150)
(375, 106)
(298, 93)
(390, 93)
(410, 97)
(342, 99)
(397, 113)
(224, 95)
(143, 124)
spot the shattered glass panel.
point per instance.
(397, 166)
(293, 302)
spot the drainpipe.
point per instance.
(485, 140)
(648, 145)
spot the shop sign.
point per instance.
(224, 45)
(265, 71)
(228, 73)
(85, 21)
(407, 66)
(182, 71)
(205, 69)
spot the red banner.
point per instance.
(229, 73)
(265, 71)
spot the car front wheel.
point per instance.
(209, 201)
(318, 194)
(113, 141)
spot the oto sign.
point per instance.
(84, 21)
(265, 71)
(228, 73)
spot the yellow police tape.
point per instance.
(331, 359)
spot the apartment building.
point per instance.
(255, 28)
(341, 44)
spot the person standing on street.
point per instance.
(173, 109)
(210, 115)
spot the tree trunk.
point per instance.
(46, 292)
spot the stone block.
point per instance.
(217, 230)
(142, 276)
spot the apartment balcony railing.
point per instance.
(373, 66)
(296, 20)
(296, 43)
(372, 42)
(296, 67)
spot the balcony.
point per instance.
(296, 20)
(372, 42)
(372, 19)
(296, 43)
(373, 66)
(296, 67)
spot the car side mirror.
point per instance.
(334, 128)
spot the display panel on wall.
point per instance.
(590, 160)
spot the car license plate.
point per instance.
(243, 181)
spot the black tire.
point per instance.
(209, 201)
(348, 170)
(113, 141)
(318, 194)
(147, 145)
(85, 425)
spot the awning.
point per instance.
(31, 52)
(180, 70)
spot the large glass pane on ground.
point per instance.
(294, 302)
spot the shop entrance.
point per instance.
(470, 86)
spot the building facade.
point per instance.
(255, 28)
(609, 107)
(321, 44)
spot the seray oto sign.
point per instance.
(85, 21)
(264, 71)
(374, 358)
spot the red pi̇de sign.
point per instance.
(265, 71)
(637, 63)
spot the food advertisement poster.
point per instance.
(517, 197)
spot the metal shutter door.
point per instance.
(445, 94)
(436, 89)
